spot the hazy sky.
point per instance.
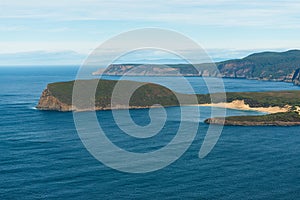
(226, 28)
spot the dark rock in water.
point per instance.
(296, 77)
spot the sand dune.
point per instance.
(240, 105)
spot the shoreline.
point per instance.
(240, 105)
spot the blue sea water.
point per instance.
(42, 156)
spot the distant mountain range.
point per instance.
(272, 66)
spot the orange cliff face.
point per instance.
(49, 102)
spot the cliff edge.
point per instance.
(49, 102)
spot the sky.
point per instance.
(60, 32)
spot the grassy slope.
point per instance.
(62, 91)
(266, 99)
(146, 95)
(274, 64)
(153, 93)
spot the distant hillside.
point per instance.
(264, 66)
(273, 66)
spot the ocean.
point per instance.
(42, 156)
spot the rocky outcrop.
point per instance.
(49, 102)
(226, 122)
(296, 77)
(236, 69)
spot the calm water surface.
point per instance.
(42, 156)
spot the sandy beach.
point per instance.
(240, 105)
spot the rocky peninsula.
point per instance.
(283, 106)
(58, 96)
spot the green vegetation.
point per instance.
(266, 99)
(257, 99)
(62, 91)
(146, 95)
(275, 66)
(282, 117)
(150, 94)
(265, 65)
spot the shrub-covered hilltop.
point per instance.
(58, 96)
(274, 66)
(277, 119)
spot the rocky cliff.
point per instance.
(49, 102)
(296, 77)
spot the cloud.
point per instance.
(265, 14)
(81, 25)
(12, 28)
